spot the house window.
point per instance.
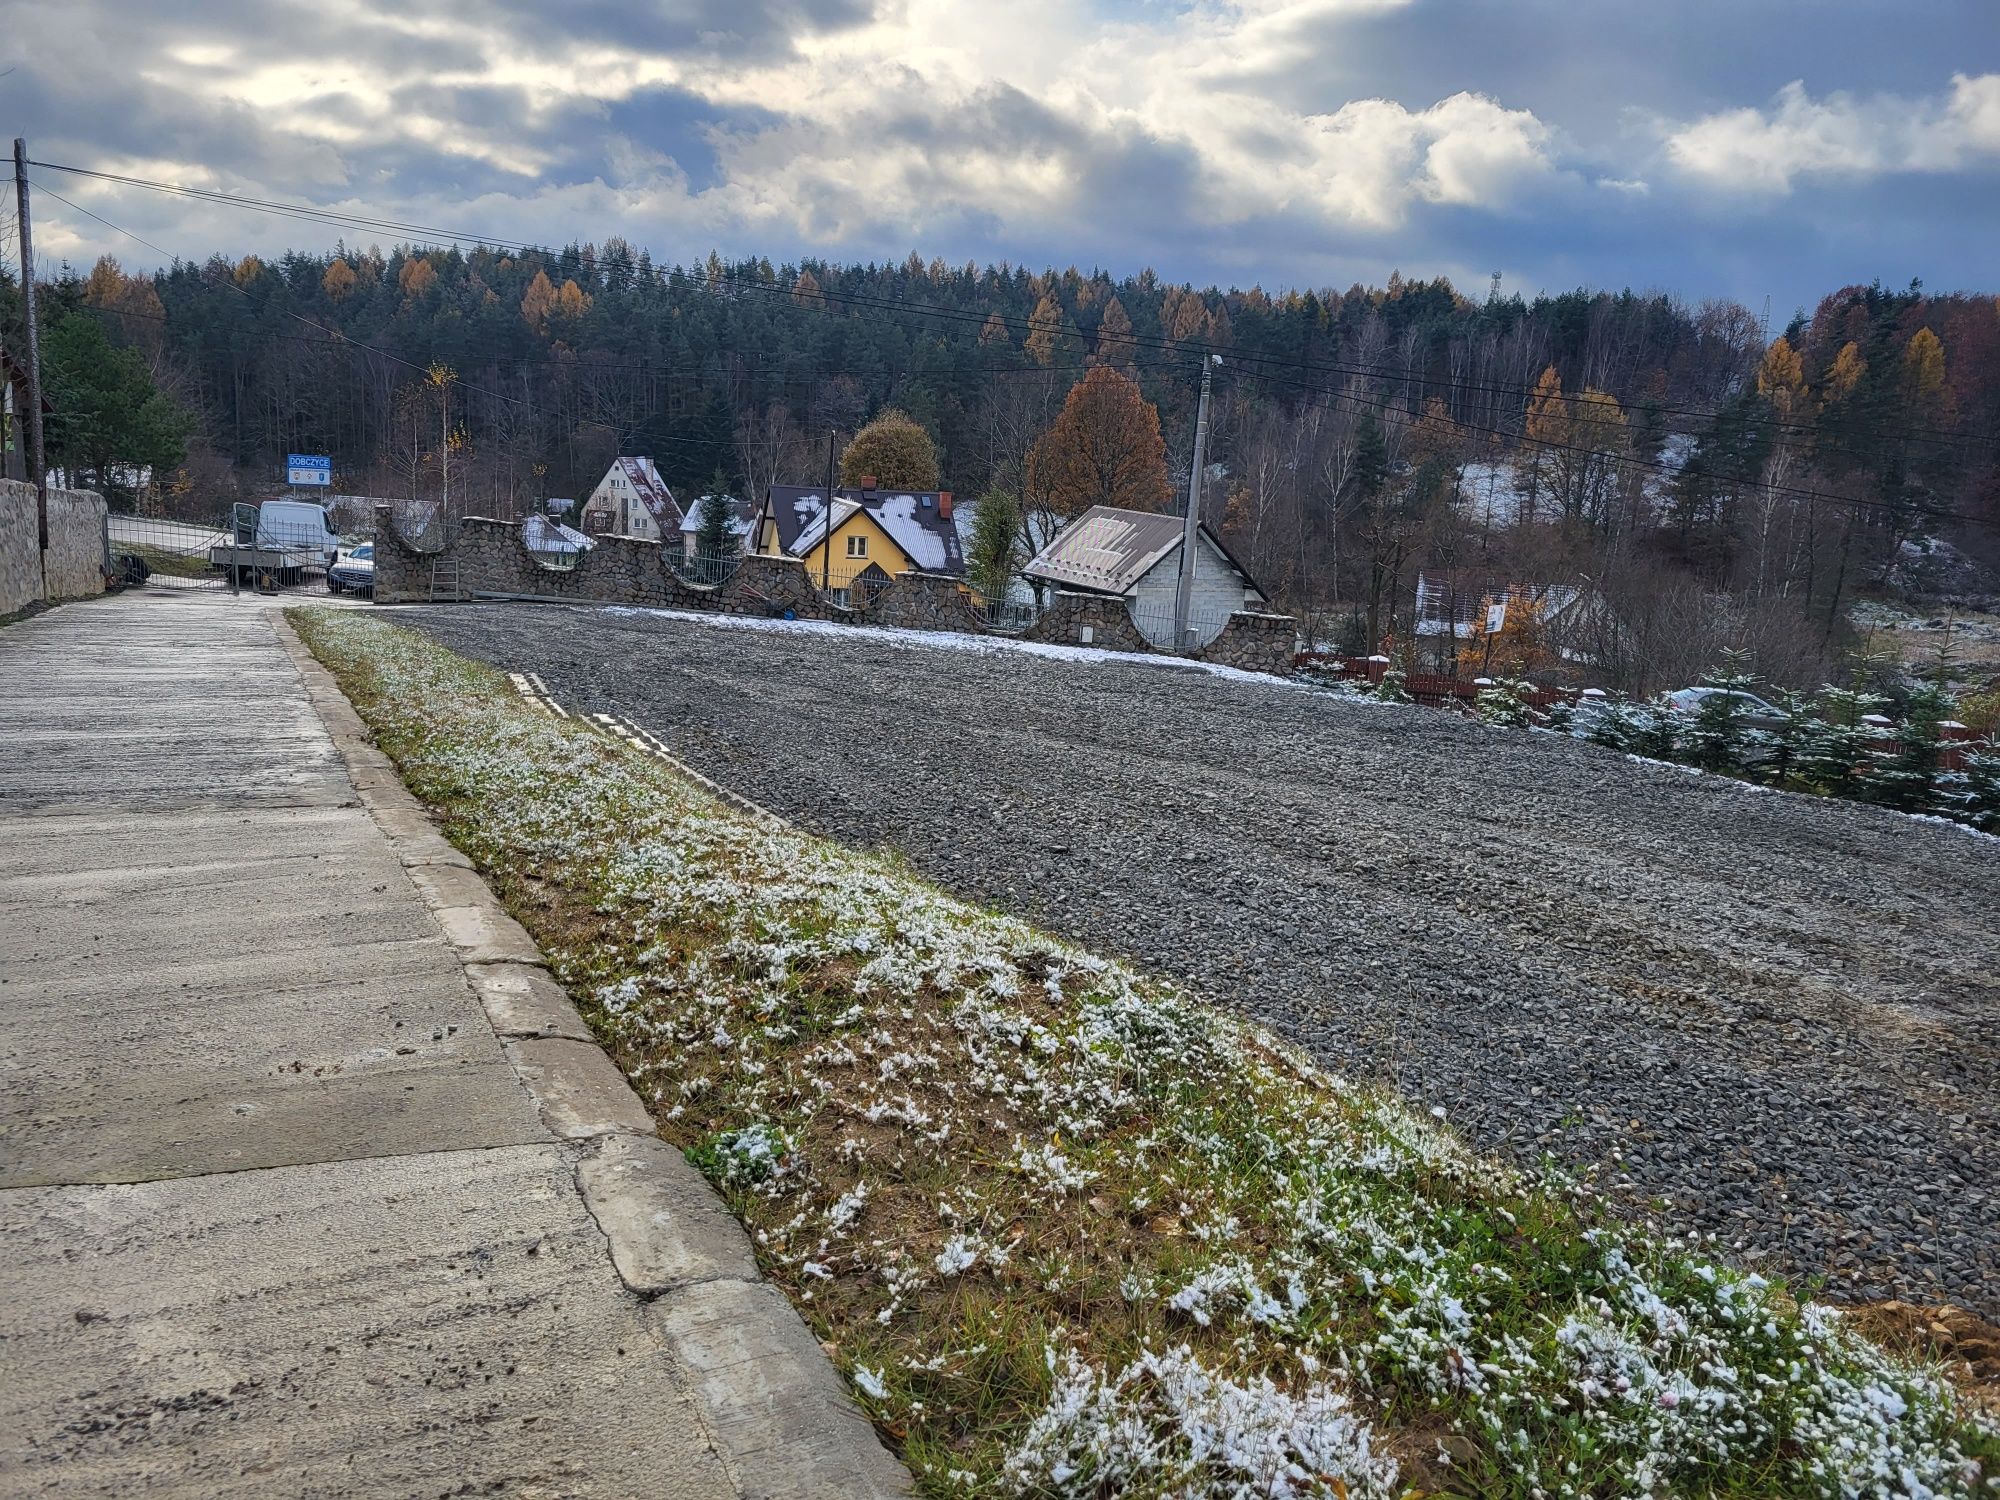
(857, 546)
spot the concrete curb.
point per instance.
(777, 1413)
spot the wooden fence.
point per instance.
(1461, 694)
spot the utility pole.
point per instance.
(1184, 594)
(37, 459)
(826, 527)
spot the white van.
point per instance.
(292, 540)
(299, 529)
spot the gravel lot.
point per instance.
(1760, 1015)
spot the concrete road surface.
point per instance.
(277, 1214)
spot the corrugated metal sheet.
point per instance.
(1105, 550)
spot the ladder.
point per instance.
(445, 587)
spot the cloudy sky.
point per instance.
(1737, 148)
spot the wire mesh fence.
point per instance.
(1157, 623)
(1003, 614)
(167, 554)
(704, 570)
(275, 546)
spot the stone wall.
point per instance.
(76, 546)
(1255, 642)
(1087, 620)
(492, 561)
(924, 601)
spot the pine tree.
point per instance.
(1972, 795)
(1790, 740)
(1716, 738)
(1505, 704)
(714, 542)
(1840, 744)
(1393, 688)
(1907, 777)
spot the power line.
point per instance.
(337, 335)
(865, 301)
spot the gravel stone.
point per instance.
(1779, 1010)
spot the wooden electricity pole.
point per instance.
(826, 528)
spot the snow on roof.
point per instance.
(652, 491)
(932, 549)
(916, 521)
(542, 534)
(810, 533)
(742, 514)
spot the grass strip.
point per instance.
(1068, 1231)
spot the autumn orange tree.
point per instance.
(895, 451)
(1104, 449)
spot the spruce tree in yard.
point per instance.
(713, 540)
(1907, 777)
(1393, 688)
(1505, 704)
(1839, 745)
(1972, 795)
(1717, 738)
(1793, 737)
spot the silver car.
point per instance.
(1752, 712)
(353, 573)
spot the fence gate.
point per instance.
(229, 553)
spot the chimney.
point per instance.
(867, 484)
(944, 505)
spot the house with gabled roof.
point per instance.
(878, 533)
(739, 519)
(1135, 555)
(632, 500)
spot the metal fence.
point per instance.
(1003, 614)
(239, 549)
(702, 570)
(1156, 623)
(165, 554)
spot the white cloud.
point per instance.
(1765, 150)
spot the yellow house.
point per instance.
(875, 535)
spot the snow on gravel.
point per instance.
(1773, 1017)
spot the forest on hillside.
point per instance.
(1724, 483)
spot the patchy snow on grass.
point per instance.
(1071, 1232)
(946, 640)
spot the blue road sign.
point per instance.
(308, 468)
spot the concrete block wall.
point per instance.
(491, 559)
(76, 546)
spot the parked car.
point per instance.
(354, 572)
(1752, 712)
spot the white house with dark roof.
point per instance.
(632, 500)
(1135, 555)
(739, 520)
